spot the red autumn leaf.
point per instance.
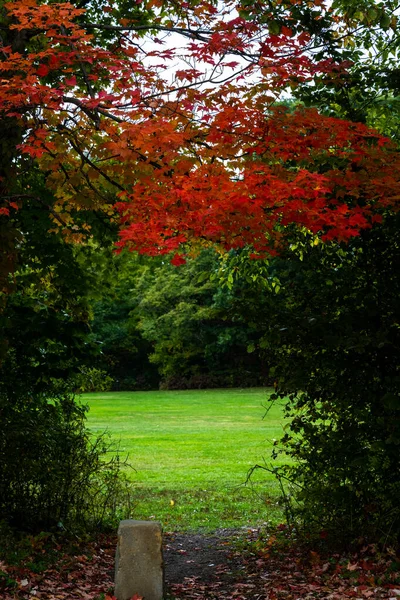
(71, 81)
(178, 260)
(42, 70)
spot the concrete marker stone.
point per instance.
(139, 567)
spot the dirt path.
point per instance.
(204, 557)
(202, 566)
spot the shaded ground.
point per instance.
(225, 566)
(203, 557)
(220, 566)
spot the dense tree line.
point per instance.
(159, 325)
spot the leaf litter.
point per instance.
(228, 565)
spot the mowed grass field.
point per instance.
(191, 451)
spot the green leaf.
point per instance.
(203, 276)
(391, 401)
(274, 28)
(385, 21)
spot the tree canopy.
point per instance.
(206, 154)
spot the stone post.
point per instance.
(139, 565)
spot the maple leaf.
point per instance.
(42, 70)
(178, 260)
(71, 81)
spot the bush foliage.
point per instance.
(53, 473)
(332, 331)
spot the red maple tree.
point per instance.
(208, 154)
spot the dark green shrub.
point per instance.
(52, 471)
(90, 379)
(335, 336)
(328, 318)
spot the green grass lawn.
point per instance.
(191, 451)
